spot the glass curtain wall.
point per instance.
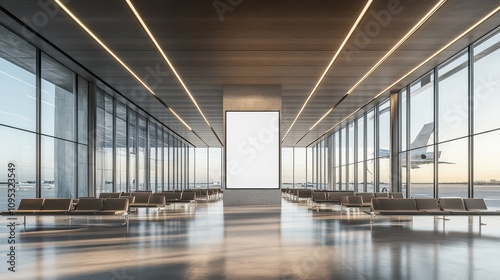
(52, 120)
(137, 149)
(59, 105)
(449, 133)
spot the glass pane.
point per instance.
(370, 135)
(104, 148)
(487, 84)
(83, 87)
(58, 100)
(172, 164)
(83, 172)
(160, 161)
(486, 168)
(453, 98)
(132, 151)
(152, 156)
(343, 146)
(142, 138)
(121, 148)
(361, 169)
(422, 172)
(215, 175)
(300, 167)
(344, 180)
(403, 117)
(58, 168)
(422, 112)
(19, 148)
(351, 143)
(384, 129)
(18, 80)
(350, 182)
(361, 135)
(201, 168)
(404, 180)
(385, 173)
(370, 167)
(453, 164)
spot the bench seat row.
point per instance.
(430, 206)
(63, 206)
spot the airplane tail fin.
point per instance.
(423, 136)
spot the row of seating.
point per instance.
(65, 206)
(365, 199)
(200, 194)
(430, 206)
(156, 200)
(349, 198)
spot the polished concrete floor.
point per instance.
(290, 242)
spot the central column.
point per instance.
(251, 99)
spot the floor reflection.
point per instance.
(288, 242)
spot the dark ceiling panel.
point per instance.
(287, 43)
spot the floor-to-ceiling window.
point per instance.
(384, 147)
(41, 120)
(370, 151)
(121, 147)
(452, 155)
(486, 98)
(104, 142)
(422, 136)
(448, 126)
(18, 101)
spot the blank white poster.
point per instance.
(252, 150)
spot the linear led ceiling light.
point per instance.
(354, 26)
(91, 34)
(384, 58)
(472, 27)
(164, 56)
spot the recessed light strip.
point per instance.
(472, 27)
(164, 56)
(384, 58)
(125, 66)
(355, 25)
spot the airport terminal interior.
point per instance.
(249, 139)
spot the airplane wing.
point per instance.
(445, 162)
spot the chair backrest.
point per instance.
(31, 204)
(337, 196)
(115, 195)
(427, 204)
(353, 199)
(104, 195)
(157, 200)
(131, 199)
(188, 196)
(61, 204)
(344, 199)
(452, 204)
(125, 194)
(172, 195)
(305, 193)
(475, 204)
(89, 204)
(115, 204)
(367, 196)
(393, 204)
(141, 197)
(382, 195)
(318, 196)
(396, 195)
